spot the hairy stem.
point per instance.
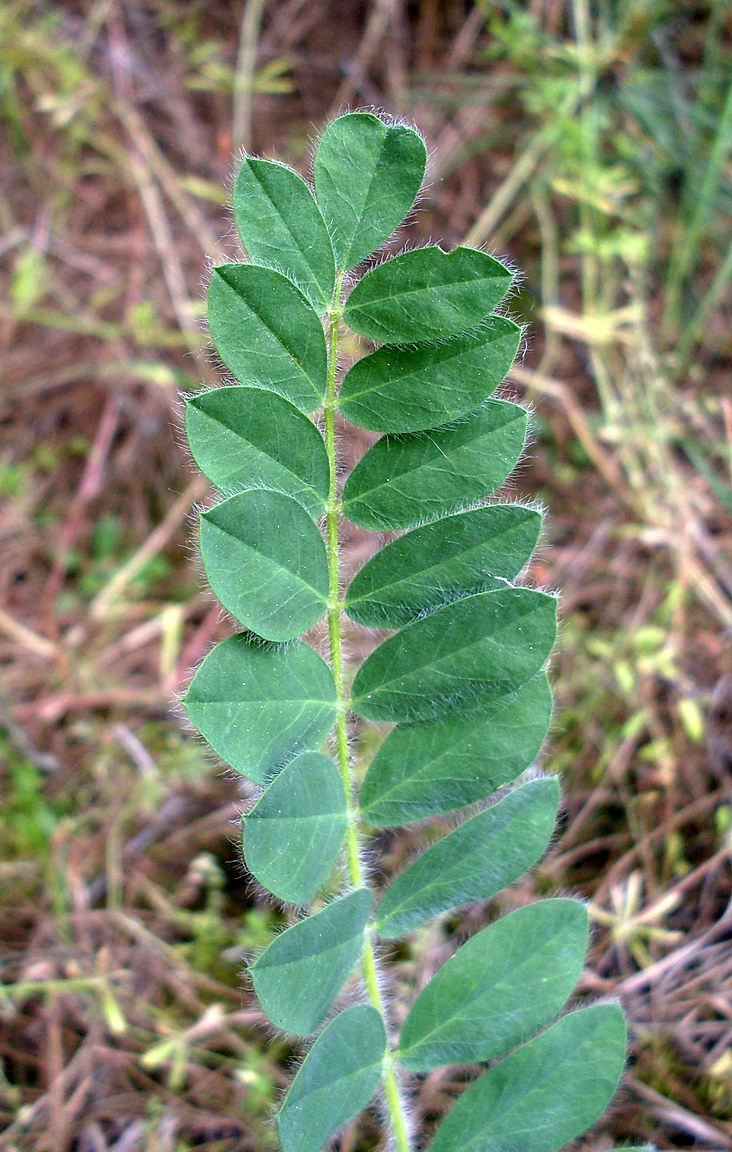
(353, 838)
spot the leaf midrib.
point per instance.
(300, 700)
(466, 444)
(348, 256)
(248, 304)
(414, 374)
(430, 663)
(513, 1103)
(517, 802)
(258, 452)
(341, 944)
(349, 1075)
(428, 765)
(254, 170)
(422, 572)
(315, 817)
(478, 992)
(372, 301)
(271, 559)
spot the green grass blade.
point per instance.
(367, 176)
(426, 295)
(294, 832)
(259, 704)
(251, 438)
(422, 770)
(545, 1093)
(447, 560)
(498, 989)
(265, 559)
(299, 974)
(475, 861)
(281, 225)
(339, 1076)
(410, 389)
(462, 655)
(405, 480)
(267, 333)
(701, 194)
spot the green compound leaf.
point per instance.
(545, 1093)
(280, 225)
(267, 334)
(405, 480)
(367, 176)
(294, 832)
(250, 438)
(422, 770)
(410, 389)
(299, 974)
(463, 679)
(463, 655)
(499, 989)
(447, 560)
(259, 704)
(266, 561)
(426, 294)
(339, 1076)
(475, 861)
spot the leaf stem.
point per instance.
(356, 874)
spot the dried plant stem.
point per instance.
(241, 127)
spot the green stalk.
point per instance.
(695, 327)
(590, 269)
(686, 250)
(353, 836)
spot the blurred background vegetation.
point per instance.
(589, 141)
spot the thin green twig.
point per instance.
(356, 875)
(686, 250)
